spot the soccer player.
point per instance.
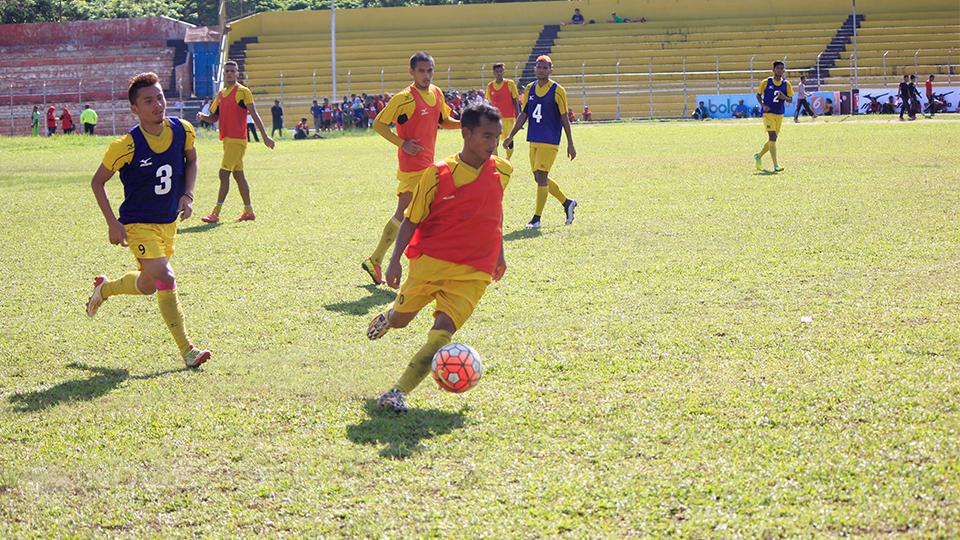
(452, 235)
(772, 94)
(158, 167)
(502, 93)
(546, 103)
(231, 107)
(417, 110)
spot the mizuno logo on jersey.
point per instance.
(423, 112)
(448, 197)
(146, 162)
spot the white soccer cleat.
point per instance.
(96, 299)
(378, 326)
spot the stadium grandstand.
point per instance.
(650, 69)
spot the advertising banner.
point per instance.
(723, 105)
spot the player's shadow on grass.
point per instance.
(102, 382)
(764, 173)
(402, 433)
(378, 296)
(522, 234)
(198, 228)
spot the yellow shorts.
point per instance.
(772, 122)
(542, 156)
(151, 240)
(508, 124)
(233, 150)
(457, 288)
(407, 181)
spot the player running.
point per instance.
(157, 163)
(772, 94)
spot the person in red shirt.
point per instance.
(587, 114)
(452, 235)
(931, 102)
(67, 121)
(51, 120)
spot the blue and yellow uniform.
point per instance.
(151, 169)
(773, 117)
(544, 106)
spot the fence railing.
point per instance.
(626, 90)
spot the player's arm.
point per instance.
(395, 269)
(117, 233)
(185, 207)
(259, 123)
(788, 97)
(516, 97)
(446, 117)
(389, 115)
(517, 126)
(562, 105)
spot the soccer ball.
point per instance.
(457, 367)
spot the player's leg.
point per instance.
(214, 215)
(157, 275)
(244, 188)
(372, 265)
(773, 148)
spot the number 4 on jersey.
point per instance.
(537, 114)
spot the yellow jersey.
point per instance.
(120, 152)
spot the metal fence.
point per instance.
(618, 82)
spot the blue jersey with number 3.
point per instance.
(543, 116)
(153, 183)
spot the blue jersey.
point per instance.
(544, 116)
(776, 105)
(153, 183)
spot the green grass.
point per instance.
(647, 372)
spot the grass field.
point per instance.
(647, 371)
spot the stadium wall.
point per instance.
(92, 32)
(494, 15)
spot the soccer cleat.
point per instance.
(96, 299)
(212, 218)
(247, 216)
(195, 357)
(756, 157)
(534, 224)
(394, 401)
(373, 269)
(378, 326)
(777, 168)
(569, 207)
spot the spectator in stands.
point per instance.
(740, 110)
(251, 128)
(337, 117)
(277, 112)
(701, 113)
(67, 121)
(756, 112)
(890, 107)
(577, 17)
(316, 111)
(874, 106)
(302, 130)
(89, 119)
(570, 116)
(802, 102)
(51, 120)
(587, 114)
(35, 121)
(327, 112)
(828, 107)
(614, 18)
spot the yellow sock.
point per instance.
(125, 285)
(389, 234)
(542, 192)
(773, 151)
(172, 315)
(419, 365)
(555, 191)
(764, 149)
(217, 209)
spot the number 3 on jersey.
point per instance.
(537, 114)
(165, 174)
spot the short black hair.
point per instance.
(498, 65)
(142, 80)
(778, 63)
(420, 56)
(470, 117)
(912, 77)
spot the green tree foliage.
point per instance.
(200, 12)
